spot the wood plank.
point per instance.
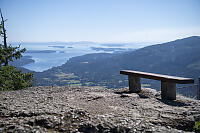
(161, 77)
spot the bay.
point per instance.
(51, 54)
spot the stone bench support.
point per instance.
(134, 84)
(168, 90)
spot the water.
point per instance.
(61, 52)
(44, 61)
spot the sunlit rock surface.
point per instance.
(94, 110)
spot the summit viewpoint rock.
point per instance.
(94, 110)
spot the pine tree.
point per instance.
(10, 77)
(8, 53)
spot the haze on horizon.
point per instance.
(101, 20)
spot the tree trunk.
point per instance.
(4, 36)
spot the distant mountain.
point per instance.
(179, 58)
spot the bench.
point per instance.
(168, 83)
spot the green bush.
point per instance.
(13, 79)
(197, 126)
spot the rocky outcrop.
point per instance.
(94, 110)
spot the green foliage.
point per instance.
(197, 126)
(10, 77)
(10, 53)
(7, 53)
(13, 79)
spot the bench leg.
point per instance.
(134, 84)
(168, 90)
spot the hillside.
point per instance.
(179, 58)
(24, 60)
(94, 110)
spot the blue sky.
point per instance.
(101, 20)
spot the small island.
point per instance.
(41, 51)
(57, 46)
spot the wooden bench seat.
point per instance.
(168, 83)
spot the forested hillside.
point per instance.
(179, 58)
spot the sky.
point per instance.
(101, 20)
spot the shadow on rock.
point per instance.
(173, 103)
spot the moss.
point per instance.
(197, 126)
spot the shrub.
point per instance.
(13, 79)
(197, 126)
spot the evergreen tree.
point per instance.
(8, 53)
(10, 77)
